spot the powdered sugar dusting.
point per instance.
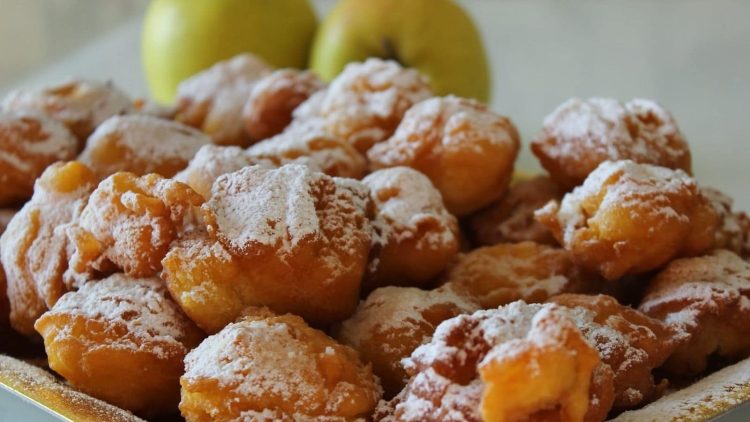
(365, 103)
(405, 201)
(266, 207)
(210, 162)
(701, 286)
(626, 183)
(640, 130)
(142, 306)
(444, 123)
(28, 138)
(390, 308)
(79, 103)
(148, 140)
(306, 142)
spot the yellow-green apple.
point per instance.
(436, 37)
(183, 37)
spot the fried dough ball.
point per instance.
(631, 343)
(733, 228)
(5, 217)
(210, 162)
(147, 107)
(266, 367)
(291, 239)
(511, 219)
(392, 322)
(415, 236)
(519, 362)
(629, 218)
(34, 248)
(273, 99)
(79, 104)
(29, 142)
(212, 100)
(581, 134)
(141, 144)
(306, 143)
(501, 274)
(466, 150)
(129, 223)
(705, 299)
(366, 101)
(122, 340)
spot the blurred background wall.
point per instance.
(691, 55)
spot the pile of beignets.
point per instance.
(276, 248)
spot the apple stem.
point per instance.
(390, 51)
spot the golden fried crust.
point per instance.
(141, 145)
(34, 248)
(122, 340)
(511, 219)
(466, 150)
(212, 100)
(203, 278)
(129, 223)
(500, 274)
(629, 218)
(366, 101)
(275, 365)
(631, 343)
(29, 142)
(519, 362)
(705, 299)
(415, 236)
(581, 134)
(299, 238)
(272, 100)
(79, 104)
(392, 322)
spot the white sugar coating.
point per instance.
(306, 142)
(700, 285)
(42, 387)
(605, 126)
(300, 83)
(281, 207)
(405, 202)
(642, 186)
(398, 308)
(145, 139)
(28, 138)
(143, 305)
(72, 102)
(444, 124)
(266, 358)
(210, 162)
(223, 90)
(364, 95)
(707, 398)
(241, 70)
